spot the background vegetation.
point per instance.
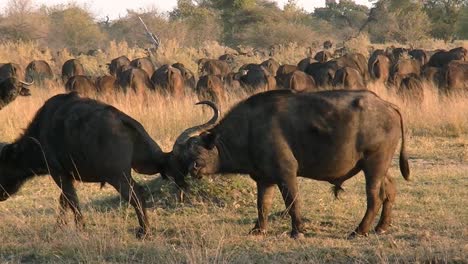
(430, 219)
(256, 23)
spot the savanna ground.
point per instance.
(430, 215)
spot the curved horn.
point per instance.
(26, 83)
(190, 131)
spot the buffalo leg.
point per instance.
(389, 194)
(61, 220)
(69, 198)
(290, 194)
(265, 193)
(375, 170)
(134, 194)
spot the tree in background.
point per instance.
(346, 16)
(445, 15)
(75, 28)
(401, 21)
(22, 22)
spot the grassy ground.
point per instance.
(430, 217)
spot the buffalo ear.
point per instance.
(208, 140)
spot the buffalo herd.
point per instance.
(293, 126)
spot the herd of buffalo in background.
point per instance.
(401, 68)
(358, 130)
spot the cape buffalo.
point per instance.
(82, 84)
(135, 79)
(456, 76)
(271, 65)
(10, 88)
(79, 139)
(411, 89)
(107, 84)
(210, 87)
(71, 68)
(143, 63)
(419, 54)
(404, 68)
(282, 75)
(215, 67)
(229, 58)
(11, 70)
(299, 82)
(38, 71)
(442, 58)
(379, 66)
(258, 79)
(348, 78)
(116, 65)
(278, 135)
(169, 79)
(434, 75)
(302, 64)
(323, 56)
(189, 77)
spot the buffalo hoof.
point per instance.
(297, 235)
(257, 231)
(142, 234)
(380, 231)
(355, 235)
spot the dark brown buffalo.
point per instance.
(250, 66)
(323, 56)
(379, 67)
(271, 65)
(71, 68)
(82, 84)
(397, 54)
(214, 67)
(210, 87)
(443, 58)
(229, 58)
(419, 54)
(456, 76)
(299, 82)
(282, 75)
(404, 68)
(116, 65)
(323, 73)
(143, 63)
(107, 84)
(79, 139)
(348, 78)
(135, 79)
(258, 80)
(302, 65)
(434, 75)
(11, 70)
(327, 136)
(38, 71)
(232, 81)
(411, 89)
(187, 74)
(11, 88)
(169, 80)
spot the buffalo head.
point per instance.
(194, 151)
(9, 182)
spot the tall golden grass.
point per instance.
(430, 215)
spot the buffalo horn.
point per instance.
(26, 83)
(193, 130)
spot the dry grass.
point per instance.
(430, 212)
